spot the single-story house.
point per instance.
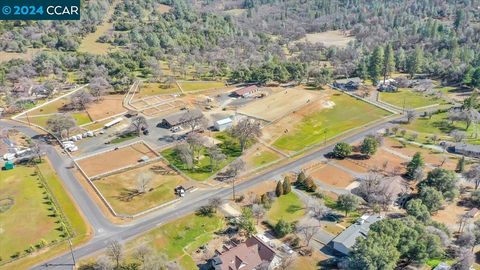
(468, 150)
(245, 91)
(350, 84)
(344, 241)
(180, 118)
(389, 85)
(245, 256)
(223, 124)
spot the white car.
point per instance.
(79, 136)
(72, 148)
(285, 248)
(9, 156)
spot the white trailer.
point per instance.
(113, 122)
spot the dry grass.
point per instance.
(28, 55)
(115, 159)
(121, 189)
(164, 8)
(331, 175)
(277, 105)
(329, 38)
(108, 106)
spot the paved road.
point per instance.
(105, 231)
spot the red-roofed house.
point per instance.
(245, 256)
(245, 91)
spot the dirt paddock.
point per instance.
(331, 175)
(277, 105)
(108, 106)
(115, 159)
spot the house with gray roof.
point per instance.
(468, 150)
(345, 240)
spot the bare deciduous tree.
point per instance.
(215, 203)
(258, 211)
(139, 123)
(193, 119)
(216, 157)
(98, 86)
(143, 180)
(411, 115)
(142, 254)
(80, 100)
(473, 175)
(115, 252)
(308, 231)
(185, 154)
(233, 171)
(60, 123)
(246, 130)
(458, 136)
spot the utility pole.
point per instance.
(71, 251)
(233, 189)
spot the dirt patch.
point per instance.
(115, 159)
(288, 122)
(331, 175)
(259, 190)
(277, 105)
(450, 216)
(164, 8)
(28, 55)
(108, 106)
(328, 38)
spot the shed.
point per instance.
(223, 124)
(468, 150)
(9, 165)
(348, 84)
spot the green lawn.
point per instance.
(153, 89)
(202, 169)
(287, 207)
(28, 195)
(409, 99)
(347, 113)
(198, 86)
(23, 185)
(264, 157)
(180, 238)
(80, 118)
(123, 138)
(440, 125)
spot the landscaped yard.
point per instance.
(120, 189)
(29, 200)
(408, 99)
(202, 169)
(192, 86)
(287, 207)
(180, 238)
(439, 125)
(327, 123)
(263, 157)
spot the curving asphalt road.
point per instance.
(106, 231)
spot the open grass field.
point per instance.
(153, 89)
(22, 185)
(193, 86)
(180, 238)
(115, 159)
(409, 99)
(121, 189)
(439, 125)
(81, 118)
(52, 107)
(328, 38)
(287, 207)
(276, 105)
(315, 127)
(260, 155)
(89, 43)
(108, 106)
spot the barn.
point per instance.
(179, 118)
(245, 91)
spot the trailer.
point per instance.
(113, 122)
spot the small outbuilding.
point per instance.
(468, 150)
(223, 124)
(245, 91)
(350, 84)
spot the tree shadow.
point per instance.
(293, 208)
(128, 194)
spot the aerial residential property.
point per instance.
(239, 135)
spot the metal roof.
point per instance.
(349, 236)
